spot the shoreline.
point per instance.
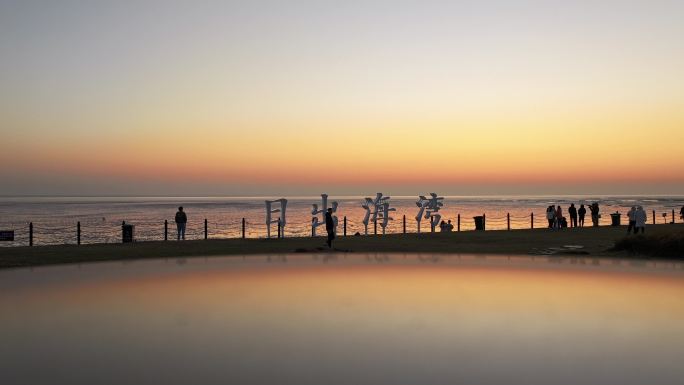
(594, 242)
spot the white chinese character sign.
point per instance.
(428, 209)
(316, 221)
(280, 207)
(377, 209)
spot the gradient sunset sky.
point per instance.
(345, 97)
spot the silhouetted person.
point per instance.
(442, 226)
(329, 227)
(681, 213)
(640, 220)
(550, 215)
(558, 218)
(572, 210)
(632, 220)
(181, 220)
(449, 226)
(595, 215)
(581, 212)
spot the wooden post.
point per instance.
(508, 220)
(30, 233)
(375, 227)
(404, 222)
(654, 221)
(243, 228)
(532, 220)
(312, 229)
(166, 230)
(673, 219)
(206, 233)
(279, 229)
(458, 228)
(78, 232)
(345, 225)
(484, 222)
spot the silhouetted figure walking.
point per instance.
(329, 227)
(581, 212)
(572, 211)
(181, 220)
(640, 220)
(632, 220)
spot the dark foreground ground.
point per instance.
(662, 241)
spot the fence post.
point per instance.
(78, 232)
(654, 221)
(206, 233)
(532, 220)
(278, 228)
(673, 219)
(484, 222)
(404, 222)
(345, 225)
(166, 230)
(459, 223)
(30, 233)
(508, 220)
(243, 228)
(375, 227)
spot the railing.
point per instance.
(30, 234)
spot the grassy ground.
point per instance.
(596, 241)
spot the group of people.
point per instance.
(446, 226)
(554, 214)
(637, 219)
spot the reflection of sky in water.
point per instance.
(398, 319)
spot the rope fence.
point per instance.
(94, 231)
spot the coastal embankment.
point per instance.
(661, 241)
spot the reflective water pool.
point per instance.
(344, 319)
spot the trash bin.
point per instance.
(479, 223)
(615, 219)
(127, 233)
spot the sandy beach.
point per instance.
(588, 241)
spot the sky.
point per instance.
(344, 97)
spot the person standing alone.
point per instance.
(572, 210)
(639, 220)
(582, 212)
(181, 220)
(329, 227)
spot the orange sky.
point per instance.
(535, 100)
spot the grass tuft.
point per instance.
(657, 245)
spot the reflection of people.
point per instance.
(640, 220)
(329, 227)
(582, 212)
(181, 220)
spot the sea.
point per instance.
(55, 219)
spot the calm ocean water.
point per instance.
(55, 218)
